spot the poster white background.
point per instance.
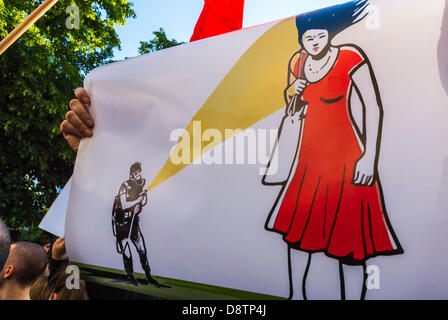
(206, 224)
(54, 220)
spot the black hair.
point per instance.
(137, 166)
(333, 19)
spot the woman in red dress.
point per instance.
(332, 201)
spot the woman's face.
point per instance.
(315, 40)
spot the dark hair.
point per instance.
(30, 262)
(137, 166)
(333, 19)
(44, 242)
(58, 285)
(5, 243)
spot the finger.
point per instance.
(71, 135)
(82, 95)
(81, 111)
(370, 181)
(364, 180)
(59, 243)
(69, 129)
(73, 118)
(360, 178)
(355, 177)
(299, 83)
(73, 141)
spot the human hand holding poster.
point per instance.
(169, 198)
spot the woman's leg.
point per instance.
(316, 280)
(353, 281)
(364, 282)
(342, 280)
(305, 276)
(298, 268)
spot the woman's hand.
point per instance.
(299, 86)
(364, 171)
(78, 123)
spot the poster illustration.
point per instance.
(301, 159)
(333, 201)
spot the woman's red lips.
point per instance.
(316, 49)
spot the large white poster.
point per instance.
(169, 198)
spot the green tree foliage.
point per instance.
(159, 42)
(37, 77)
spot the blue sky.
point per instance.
(178, 18)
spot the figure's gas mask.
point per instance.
(137, 177)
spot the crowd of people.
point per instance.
(39, 271)
(31, 271)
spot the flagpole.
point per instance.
(24, 26)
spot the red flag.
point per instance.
(217, 17)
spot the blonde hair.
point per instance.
(40, 290)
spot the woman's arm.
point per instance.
(290, 88)
(364, 81)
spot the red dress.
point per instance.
(322, 210)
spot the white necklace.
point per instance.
(316, 70)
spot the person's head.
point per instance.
(26, 262)
(135, 172)
(5, 242)
(315, 41)
(45, 243)
(59, 291)
(317, 29)
(40, 290)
